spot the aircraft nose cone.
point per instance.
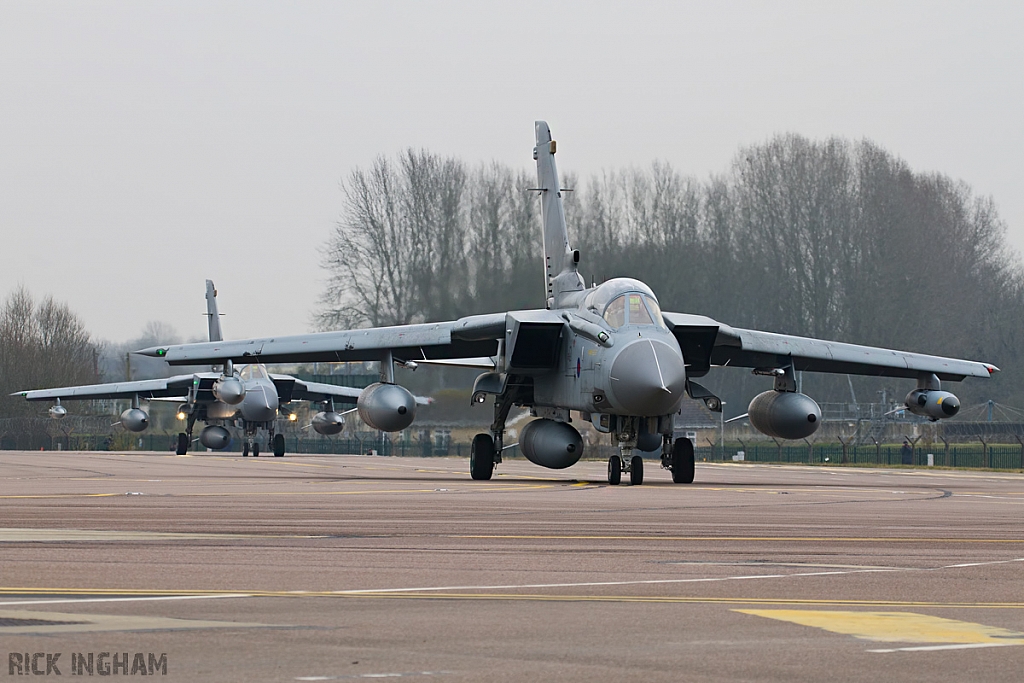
(260, 405)
(648, 378)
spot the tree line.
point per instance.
(833, 239)
(42, 344)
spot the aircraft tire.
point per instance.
(481, 457)
(636, 470)
(682, 461)
(245, 449)
(182, 448)
(255, 449)
(279, 445)
(614, 470)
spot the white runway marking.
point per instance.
(138, 599)
(648, 582)
(584, 584)
(934, 648)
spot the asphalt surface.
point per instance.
(359, 567)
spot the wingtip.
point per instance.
(152, 352)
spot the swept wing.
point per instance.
(168, 387)
(704, 341)
(289, 389)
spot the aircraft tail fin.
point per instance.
(212, 314)
(559, 258)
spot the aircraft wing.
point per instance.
(471, 337)
(168, 387)
(706, 343)
(294, 389)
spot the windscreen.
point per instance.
(615, 314)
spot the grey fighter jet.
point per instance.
(248, 397)
(607, 354)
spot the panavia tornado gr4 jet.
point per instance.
(606, 353)
(247, 397)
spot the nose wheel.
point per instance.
(634, 466)
(614, 470)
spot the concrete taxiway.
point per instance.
(350, 567)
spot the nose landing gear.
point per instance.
(634, 466)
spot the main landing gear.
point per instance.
(185, 437)
(278, 441)
(680, 460)
(485, 453)
(481, 457)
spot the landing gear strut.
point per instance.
(485, 453)
(626, 435)
(249, 443)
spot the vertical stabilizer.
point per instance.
(211, 312)
(559, 258)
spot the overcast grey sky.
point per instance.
(145, 147)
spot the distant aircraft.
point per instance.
(607, 353)
(250, 398)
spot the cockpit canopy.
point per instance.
(255, 371)
(625, 301)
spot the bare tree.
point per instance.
(41, 346)
(399, 242)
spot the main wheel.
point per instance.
(636, 470)
(614, 470)
(279, 445)
(682, 461)
(245, 449)
(255, 449)
(182, 448)
(481, 457)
